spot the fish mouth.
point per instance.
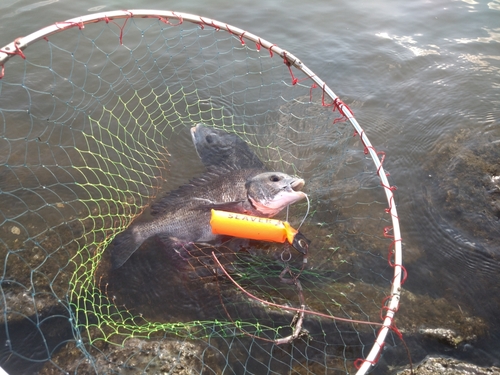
(297, 184)
(193, 131)
(272, 206)
(289, 194)
(194, 137)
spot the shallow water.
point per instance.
(422, 79)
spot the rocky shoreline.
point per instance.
(449, 366)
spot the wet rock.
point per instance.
(449, 366)
(134, 356)
(447, 336)
(469, 183)
(438, 319)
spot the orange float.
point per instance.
(257, 228)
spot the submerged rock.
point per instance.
(134, 356)
(449, 366)
(447, 336)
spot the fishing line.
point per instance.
(307, 212)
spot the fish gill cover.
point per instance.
(95, 118)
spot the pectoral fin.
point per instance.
(124, 245)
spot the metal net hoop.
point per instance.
(296, 68)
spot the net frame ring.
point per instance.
(17, 47)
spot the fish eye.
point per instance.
(274, 178)
(302, 243)
(209, 139)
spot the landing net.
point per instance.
(94, 125)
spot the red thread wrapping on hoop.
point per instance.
(392, 326)
(271, 49)
(323, 103)
(240, 36)
(289, 65)
(340, 105)
(386, 232)
(313, 86)
(18, 52)
(65, 25)
(405, 273)
(166, 20)
(391, 253)
(386, 308)
(217, 28)
(258, 44)
(294, 79)
(359, 362)
(393, 264)
(392, 187)
(108, 20)
(391, 202)
(337, 104)
(381, 161)
(391, 190)
(202, 23)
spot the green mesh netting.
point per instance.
(94, 126)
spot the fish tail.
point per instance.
(124, 245)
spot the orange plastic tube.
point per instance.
(251, 227)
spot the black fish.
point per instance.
(183, 216)
(218, 148)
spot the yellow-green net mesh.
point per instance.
(94, 126)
